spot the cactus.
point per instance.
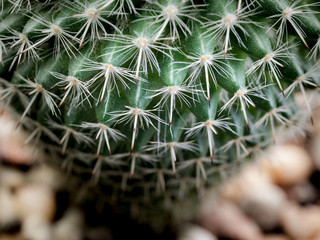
(157, 99)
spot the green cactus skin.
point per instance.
(156, 99)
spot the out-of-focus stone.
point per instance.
(12, 142)
(301, 223)
(70, 226)
(35, 200)
(194, 232)
(276, 237)
(46, 176)
(256, 196)
(315, 105)
(263, 204)
(36, 228)
(315, 150)
(238, 186)
(226, 220)
(303, 192)
(11, 178)
(8, 212)
(287, 165)
(16, 153)
(11, 236)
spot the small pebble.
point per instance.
(70, 226)
(194, 232)
(256, 196)
(8, 211)
(287, 165)
(276, 237)
(303, 193)
(263, 204)
(11, 178)
(301, 222)
(35, 227)
(227, 220)
(35, 200)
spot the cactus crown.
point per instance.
(157, 99)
